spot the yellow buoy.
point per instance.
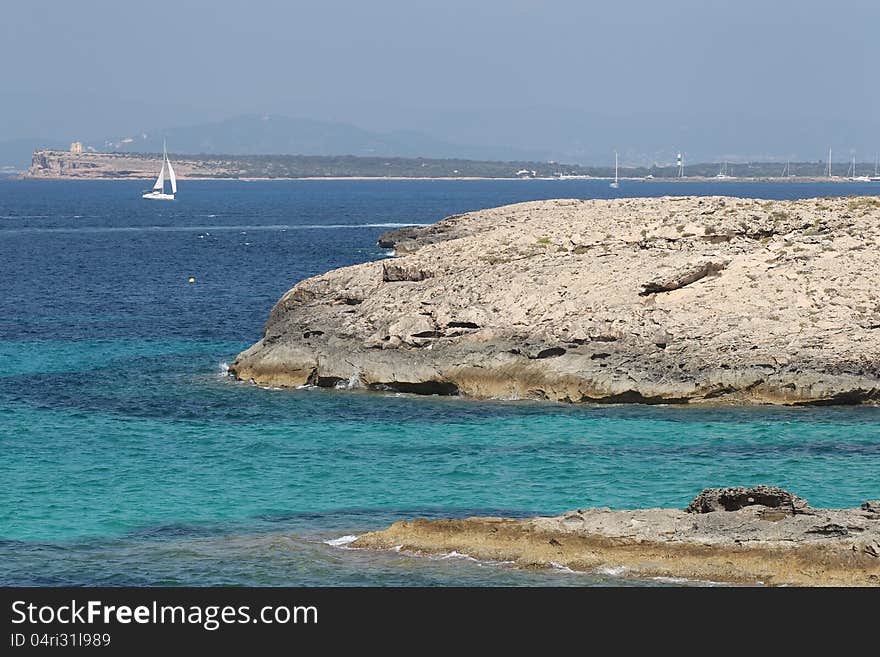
(192, 280)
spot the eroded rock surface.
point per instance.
(667, 300)
(733, 499)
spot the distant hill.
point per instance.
(269, 135)
(643, 139)
(280, 135)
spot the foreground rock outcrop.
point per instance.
(776, 539)
(667, 300)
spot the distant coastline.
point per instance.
(65, 165)
(687, 179)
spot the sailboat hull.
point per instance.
(158, 196)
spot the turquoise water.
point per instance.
(128, 457)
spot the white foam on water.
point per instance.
(562, 569)
(390, 225)
(306, 386)
(687, 580)
(397, 548)
(354, 382)
(611, 570)
(457, 555)
(342, 541)
(224, 368)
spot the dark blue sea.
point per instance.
(127, 457)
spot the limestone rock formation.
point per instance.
(666, 300)
(732, 499)
(751, 542)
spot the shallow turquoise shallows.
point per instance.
(127, 456)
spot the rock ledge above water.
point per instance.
(775, 539)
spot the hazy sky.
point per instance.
(94, 67)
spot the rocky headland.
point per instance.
(652, 300)
(58, 165)
(762, 535)
(55, 164)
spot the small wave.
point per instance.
(687, 580)
(392, 225)
(342, 541)
(561, 568)
(306, 386)
(611, 570)
(354, 382)
(466, 557)
(457, 555)
(224, 368)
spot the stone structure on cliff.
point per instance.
(658, 300)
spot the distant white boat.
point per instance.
(616, 182)
(158, 191)
(851, 174)
(723, 173)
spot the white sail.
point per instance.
(171, 176)
(158, 191)
(160, 181)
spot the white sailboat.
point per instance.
(616, 182)
(876, 176)
(723, 173)
(158, 191)
(851, 174)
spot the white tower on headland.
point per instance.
(679, 160)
